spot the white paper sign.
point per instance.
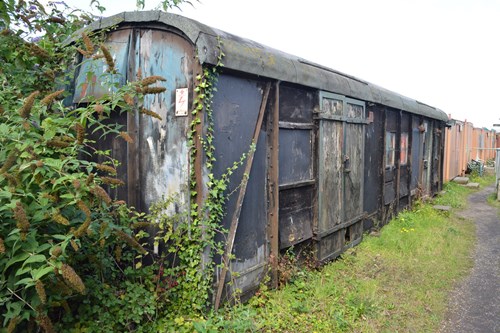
(181, 102)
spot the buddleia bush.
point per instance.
(68, 249)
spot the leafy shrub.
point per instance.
(67, 249)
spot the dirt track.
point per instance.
(475, 303)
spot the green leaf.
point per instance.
(54, 163)
(24, 166)
(20, 257)
(61, 237)
(43, 247)
(23, 270)
(35, 258)
(25, 281)
(5, 195)
(39, 273)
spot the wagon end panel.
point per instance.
(155, 163)
(162, 151)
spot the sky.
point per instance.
(445, 53)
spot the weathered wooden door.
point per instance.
(340, 178)
(427, 158)
(416, 156)
(437, 146)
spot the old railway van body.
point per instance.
(334, 154)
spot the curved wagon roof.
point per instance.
(247, 56)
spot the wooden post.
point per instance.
(397, 159)
(411, 151)
(273, 213)
(239, 203)
(383, 172)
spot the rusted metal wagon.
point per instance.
(334, 154)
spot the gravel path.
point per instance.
(475, 303)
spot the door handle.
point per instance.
(347, 164)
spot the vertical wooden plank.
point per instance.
(442, 147)
(382, 179)
(410, 159)
(133, 165)
(398, 158)
(199, 157)
(199, 152)
(354, 176)
(331, 182)
(274, 187)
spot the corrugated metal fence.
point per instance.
(465, 143)
(497, 167)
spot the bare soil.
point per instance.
(475, 302)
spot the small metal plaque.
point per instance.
(181, 102)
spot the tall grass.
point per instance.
(397, 281)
